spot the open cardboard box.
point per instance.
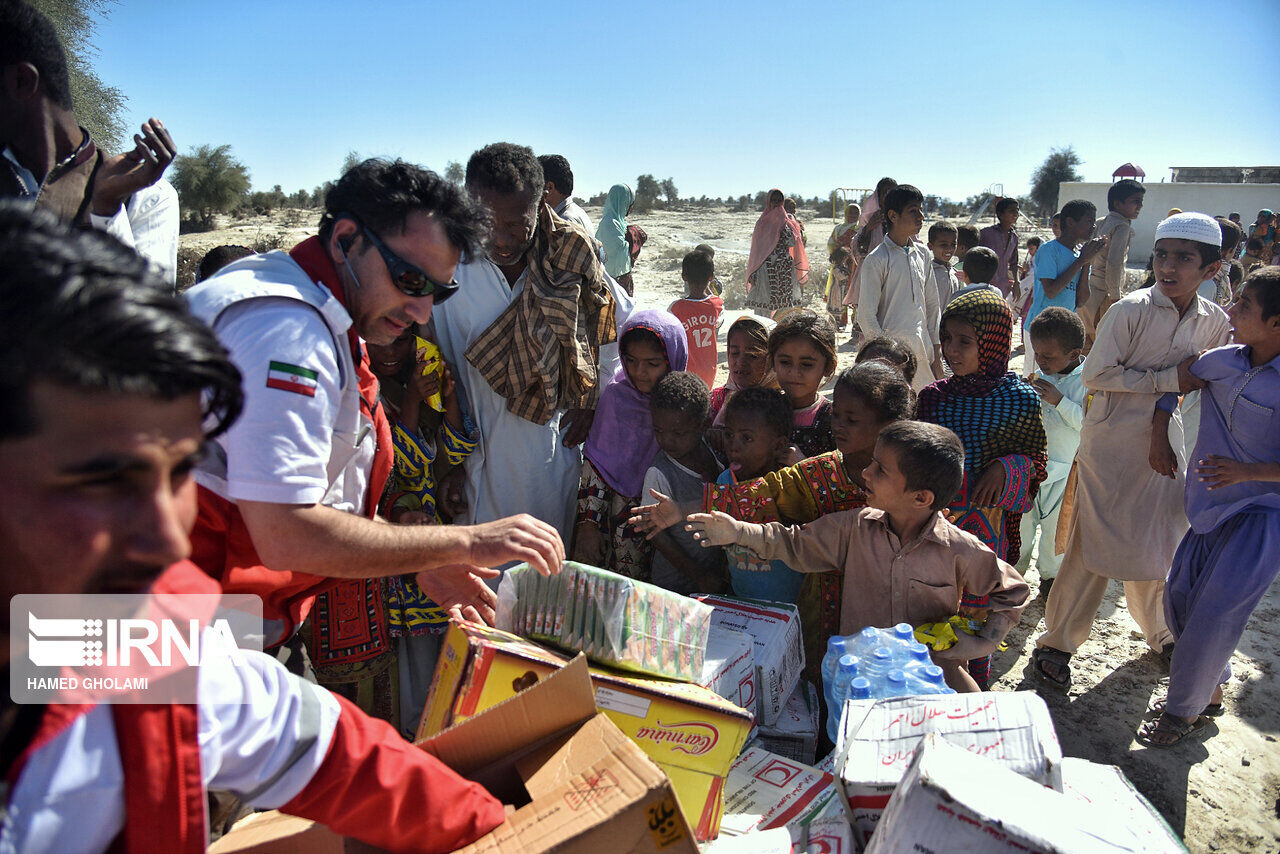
(693, 734)
(570, 778)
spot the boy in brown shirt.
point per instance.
(902, 560)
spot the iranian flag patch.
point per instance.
(292, 378)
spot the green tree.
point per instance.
(1059, 166)
(972, 203)
(647, 191)
(454, 173)
(351, 161)
(209, 181)
(669, 190)
(98, 107)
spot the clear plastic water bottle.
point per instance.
(878, 663)
(928, 680)
(835, 649)
(860, 688)
(904, 632)
(895, 684)
(846, 672)
(919, 654)
(864, 641)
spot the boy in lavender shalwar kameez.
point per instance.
(1231, 555)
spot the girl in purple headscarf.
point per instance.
(621, 447)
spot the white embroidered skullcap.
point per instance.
(1199, 227)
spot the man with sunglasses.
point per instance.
(283, 492)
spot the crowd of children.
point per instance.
(932, 477)
(1074, 466)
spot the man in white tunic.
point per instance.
(532, 463)
(1128, 518)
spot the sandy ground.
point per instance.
(1220, 794)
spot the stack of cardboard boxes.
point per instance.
(591, 759)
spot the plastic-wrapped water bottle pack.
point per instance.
(877, 664)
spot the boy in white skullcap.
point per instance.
(1128, 514)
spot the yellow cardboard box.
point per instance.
(693, 734)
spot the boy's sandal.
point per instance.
(1062, 662)
(1172, 729)
(1213, 710)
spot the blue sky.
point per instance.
(724, 98)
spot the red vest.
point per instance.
(221, 544)
(159, 753)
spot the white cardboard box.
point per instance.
(830, 831)
(877, 739)
(1106, 788)
(795, 733)
(779, 655)
(765, 791)
(729, 666)
(951, 800)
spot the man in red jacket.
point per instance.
(288, 494)
(109, 392)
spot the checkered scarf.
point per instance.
(542, 353)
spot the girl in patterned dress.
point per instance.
(997, 416)
(802, 351)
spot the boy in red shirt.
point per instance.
(700, 313)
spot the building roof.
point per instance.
(1226, 174)
(1128, 170)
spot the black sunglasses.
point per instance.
(408, 278)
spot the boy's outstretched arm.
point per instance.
(819, 546)
(718, 529)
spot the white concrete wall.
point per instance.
(1213, 199)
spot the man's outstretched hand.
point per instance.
(461, 591)
(517, 538)
(121, 176)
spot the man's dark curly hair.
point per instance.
(380, 194)
(506, 168)
(683, 392)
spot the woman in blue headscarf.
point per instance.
(612, 234)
